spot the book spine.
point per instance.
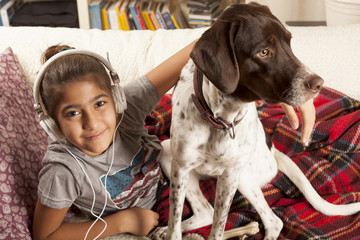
(147, 21)
(167, 18)
(156, 22)
(160, 20)
(125, 20)
(140, 18)
(92, 16)
(95, 16)
(105, 24)
(152, 21)
(113, 19)
(135, 18)
(175, 22)
(98, 22)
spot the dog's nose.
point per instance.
(314, 83)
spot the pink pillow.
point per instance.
(22, 145)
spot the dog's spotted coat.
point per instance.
(245, 56)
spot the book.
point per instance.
(122, 16)
(148, 22)
(178, 15)
(159, 16)
(112, 12)
(7, 12)
(152, 9)
(168, 21)
(203, 13)
(129, 16)
(140, 18)
(104, 15)
(136, 15)
(200, 15)
(154, 19)
(147, 16)
(203, 4)
(95, 14)
(174, 21)
(165, 13)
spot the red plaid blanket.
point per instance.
(331, 163)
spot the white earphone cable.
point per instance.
(98, 217)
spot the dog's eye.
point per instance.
(264, 53)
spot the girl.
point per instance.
(106, 164)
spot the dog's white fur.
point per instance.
(245, 163)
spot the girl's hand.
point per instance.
(308, 117)
(139, 221)
(48, 224)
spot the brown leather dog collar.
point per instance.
(204, 109)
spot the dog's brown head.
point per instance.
(247, 53)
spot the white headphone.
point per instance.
(47, 123)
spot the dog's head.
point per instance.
(247, 53)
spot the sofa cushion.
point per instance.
(22, 145)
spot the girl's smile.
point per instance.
(96, 136)
(86, 116)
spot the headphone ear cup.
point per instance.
(119, 98)
(50, 127)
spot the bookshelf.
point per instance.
(83, 10)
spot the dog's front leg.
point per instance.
(225, 190)
(272, 223)
(178, 181)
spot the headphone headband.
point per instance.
(49, 124)
(40, 75)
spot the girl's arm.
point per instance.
(48, 224)
(165, 75)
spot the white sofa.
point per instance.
(332, 52)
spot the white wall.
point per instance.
(296, 10)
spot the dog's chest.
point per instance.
(209, 150)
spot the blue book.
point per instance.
(135, 18)
(95, 14)
(168, 21)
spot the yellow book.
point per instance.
(155, 20)
(124, 20)
(175, 22)
(121, 22)
(118, 13)
(104, 17)
(147, 20)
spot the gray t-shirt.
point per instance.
(135, 172)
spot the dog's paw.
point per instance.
(158, 234)
(193, 236)
(274, 232)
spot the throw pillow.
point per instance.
(22, 145)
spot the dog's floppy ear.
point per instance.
(214, 55)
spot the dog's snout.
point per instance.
(314, 83)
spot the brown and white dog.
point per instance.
(215, 131)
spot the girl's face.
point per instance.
(86, 116)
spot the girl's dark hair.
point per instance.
(69, 69)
